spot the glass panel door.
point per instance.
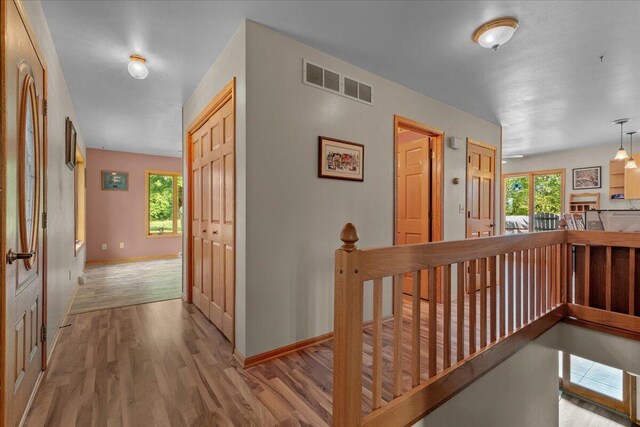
(516, 204)
(547, 201)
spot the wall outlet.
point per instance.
(104, 246)
(461, 208)
(121, 245)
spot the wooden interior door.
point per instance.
(24, 238)
(213, 218)
(481, 175)
(413, 201)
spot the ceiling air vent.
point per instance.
(317, 76)
(320, 77)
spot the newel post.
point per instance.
(564, 263)
(347, 343)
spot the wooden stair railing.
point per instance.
(509, 290)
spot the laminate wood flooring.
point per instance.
(119, 285)
(165, 364)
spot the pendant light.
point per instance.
(621, 154)
(631, 164)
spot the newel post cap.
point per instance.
(563, 224)
(349, 237)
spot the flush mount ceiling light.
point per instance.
(513, 156)
(621, 154)
(137, 67)
(631, 164)
(495, 33)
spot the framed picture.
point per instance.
(112, 180)
(586, 178)
(339, 159)
(70, 144)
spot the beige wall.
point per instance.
(585, 157)
(63, 266)
(522, 391)
(294, 218)
(229, 64)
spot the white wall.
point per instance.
(522, 391)
(293, 217)
(230, 63)
(571, 159)
(63, 267)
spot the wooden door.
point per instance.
(24, 238)
(413, 201)
(213, 218)
(481, 160)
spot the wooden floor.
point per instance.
(165, 364)
(119, 285)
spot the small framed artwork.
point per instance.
(339, 159)
(112, 180)
(70, 144)
(586, 178)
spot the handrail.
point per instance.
(510, 289)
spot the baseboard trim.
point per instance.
(36, 387)
(63, 320)
(132, 259)
(248, 362)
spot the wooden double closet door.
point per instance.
(213, 218)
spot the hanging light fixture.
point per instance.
(631, 164)
(137, 67)
(621, 154)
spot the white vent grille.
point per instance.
(322, 78)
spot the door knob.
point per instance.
(492, 225)
(14, 256)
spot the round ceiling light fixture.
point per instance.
(495, 33)
(137, 67)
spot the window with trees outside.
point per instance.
(164, 203)
(533, 201)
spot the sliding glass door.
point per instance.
(533, 201)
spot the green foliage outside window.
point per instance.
(547, 194)
(164, 214)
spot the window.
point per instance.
(80, 185)
(164, 203)
(533, 201)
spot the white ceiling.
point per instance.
(547, 86)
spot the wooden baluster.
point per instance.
(518, 293)
(347, 341)
(415, 330)
(632, 281)
(510, 290)
(446, 327)
(559, 281)
(398, 313)
(376, 400)
(570, 288)
(538, 282)
(503, 287)
(551, 286)
(532, 284)
(543, 280)
(607, 278)
(460, 311)
(472, 306)
(483, 302)
(433, 322)
(493, 295)
(562, 260)
(525, 287)
(587, 273)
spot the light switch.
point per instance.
(121, 245)
(461, 208)
(104, 246)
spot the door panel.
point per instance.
(413, 192)
(217, 218)
(480, 190)
(24, 175)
